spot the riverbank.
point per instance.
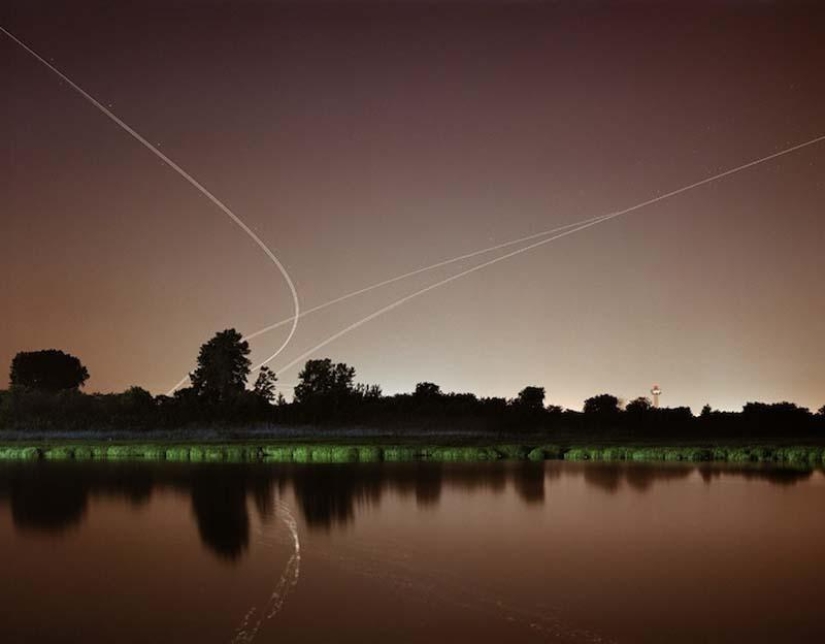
(800, 455)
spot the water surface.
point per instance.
(410, 552)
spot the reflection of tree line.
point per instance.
(54, 496)
(610, 477)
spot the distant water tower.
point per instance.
(656, 392)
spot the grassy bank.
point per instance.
(354, 453)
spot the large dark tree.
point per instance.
(323, 380)
(427, 391)
(782, 414)
(49, 370)
(531, 398)
(223, 367)
(602, 405)
(638, 406)
(264, 386)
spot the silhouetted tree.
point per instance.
(327, 393)
(49, 370)
(821, 411)
(427, 390)
(368, 392)
(531, 398)
(771, 415)
(134, 408)
(223, 367)
(138, 398)
(324, 383)
(602, 405)
(638, 406)
(265, 385)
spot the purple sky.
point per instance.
(362, 140)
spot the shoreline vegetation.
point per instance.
(332, 418)
(275, 452)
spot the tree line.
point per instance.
(45, 394)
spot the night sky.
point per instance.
(362, 140)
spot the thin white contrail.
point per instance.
(585, 224)
(417, 271)
(397, 278)
(183, 173)
(427, 289)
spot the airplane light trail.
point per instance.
(426, 289)
(584, 224)
(418, 271)
(398, 278)
(183, 173)
(571, 228)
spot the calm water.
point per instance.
(557, 552)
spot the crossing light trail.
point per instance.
(417, 271)
(583, 225)
(427, 289)
(183, 173)
(398, 278)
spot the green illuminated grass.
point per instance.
(798, 456)
(405, 453)
(544, 452)
(19, 453)
(59, 453)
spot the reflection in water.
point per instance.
(53, 497)
(528, 480)
(254, 619)
(219, 504)
(532, 552)
(776, 476)
(41, 503)
(611, 476)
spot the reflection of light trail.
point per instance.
(584, 224)
(183, 173)
(247, 631)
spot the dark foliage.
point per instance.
(328, 395)
(48, 370)
(322, 381)
(223, 367)
(265, 385)
(427, 391)
(638, 406)
(603, 405)
(531, 398)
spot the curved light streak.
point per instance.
(392, 280)
(183, 173)
(247, 631)
(584, 224)
(417, 271)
